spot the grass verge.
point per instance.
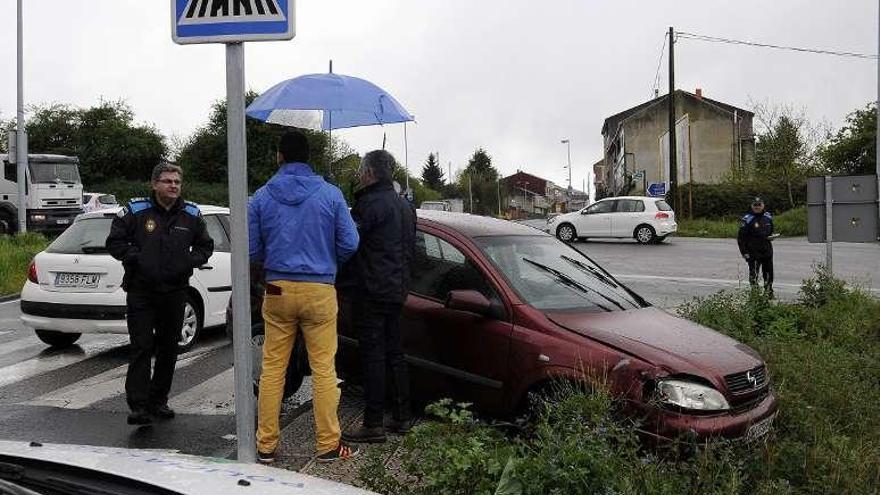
(792, 223)
(823, 354)
(15, 254)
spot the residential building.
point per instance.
(712, 140)
(530, 195)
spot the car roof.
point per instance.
(631, 197)
(475, 225)
(205, 209)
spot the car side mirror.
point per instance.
(585, 212)
(470, 301)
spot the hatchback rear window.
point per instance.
(663, 205)
(107, 199)
(85, 236)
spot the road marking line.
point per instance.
(214, 396)
(7, 348)
(711, 281)
(105, 385)
(43, 364)
(9, 302)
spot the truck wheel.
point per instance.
(57, 339)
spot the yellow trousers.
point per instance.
(310, 308)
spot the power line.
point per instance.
(656, 85)
(713, 39)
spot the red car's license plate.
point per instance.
(760, 428)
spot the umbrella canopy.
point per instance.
(326, 102)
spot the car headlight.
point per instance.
(690, 395)
(38, 218)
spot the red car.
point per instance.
(498, 309)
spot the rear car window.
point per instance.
(107, 199)
(85, 236)
(629, 206)
(663, 205)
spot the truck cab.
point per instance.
(53, 188)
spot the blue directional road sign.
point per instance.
(657, 189)
(230, 21)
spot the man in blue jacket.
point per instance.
(301, 230)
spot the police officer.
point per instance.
(754, 239)
(160, 240)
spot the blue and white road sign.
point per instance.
(230, 21)
(657, 189)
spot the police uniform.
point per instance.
(755, 246)
(159, 249)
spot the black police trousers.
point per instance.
(154, 323)
(378, 329)
(763, 265)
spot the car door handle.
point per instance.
(206, 267)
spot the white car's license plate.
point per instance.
(63, 221)
(760, 428)
(87, 280)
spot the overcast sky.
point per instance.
(512, 76)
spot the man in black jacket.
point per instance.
(755, 246)
(376, 281)
(160, 240)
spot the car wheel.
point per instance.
(57, 339)
(645, 234)
(191, 327)
(297, 368)
(566, 232)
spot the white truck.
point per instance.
(454, 205)
(54, 193)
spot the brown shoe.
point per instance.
(365, 434)
(342, 452)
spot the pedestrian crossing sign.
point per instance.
(231, 21)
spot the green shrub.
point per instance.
(732, 199)
(792, 223)
(16, 253)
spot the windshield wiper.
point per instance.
(590, 270)
(567, 280)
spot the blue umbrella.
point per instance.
(326, 102)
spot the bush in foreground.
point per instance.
(823, 353)
(16, 253)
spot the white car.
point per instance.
(34, 468)
(73, 286)
(647, 220)
(98, 201)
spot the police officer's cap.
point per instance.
(757, 201)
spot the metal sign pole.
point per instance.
(877, 136)
(21, 132)
(241, 314)
(829, 221)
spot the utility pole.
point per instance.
(877, 138)
(21, 143)
(673, 162)
(470, 193)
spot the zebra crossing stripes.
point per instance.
(43, 364)
(219, 11)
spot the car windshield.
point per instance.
(85, 236)
(553, 276)
(55, 172)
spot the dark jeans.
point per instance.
(765, 266)
(154, 323)
(378, 330)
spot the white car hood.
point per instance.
(181, 473)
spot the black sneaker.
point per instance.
(342, 451)
(400, 426)
(139, 417)
(265, 457)
(162, 412)
(365, 434)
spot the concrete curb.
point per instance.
(9, 297)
